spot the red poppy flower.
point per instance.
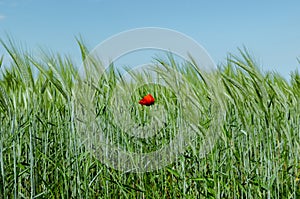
(147, 100)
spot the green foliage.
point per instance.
(256, 153)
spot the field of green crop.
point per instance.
(255, 117)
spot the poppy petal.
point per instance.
(147, 100)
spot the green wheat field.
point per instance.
(256, 150)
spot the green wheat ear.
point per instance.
(42, 155)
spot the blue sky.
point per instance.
(269, 29)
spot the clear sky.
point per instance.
(270, 29)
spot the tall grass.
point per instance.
(256, 154)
